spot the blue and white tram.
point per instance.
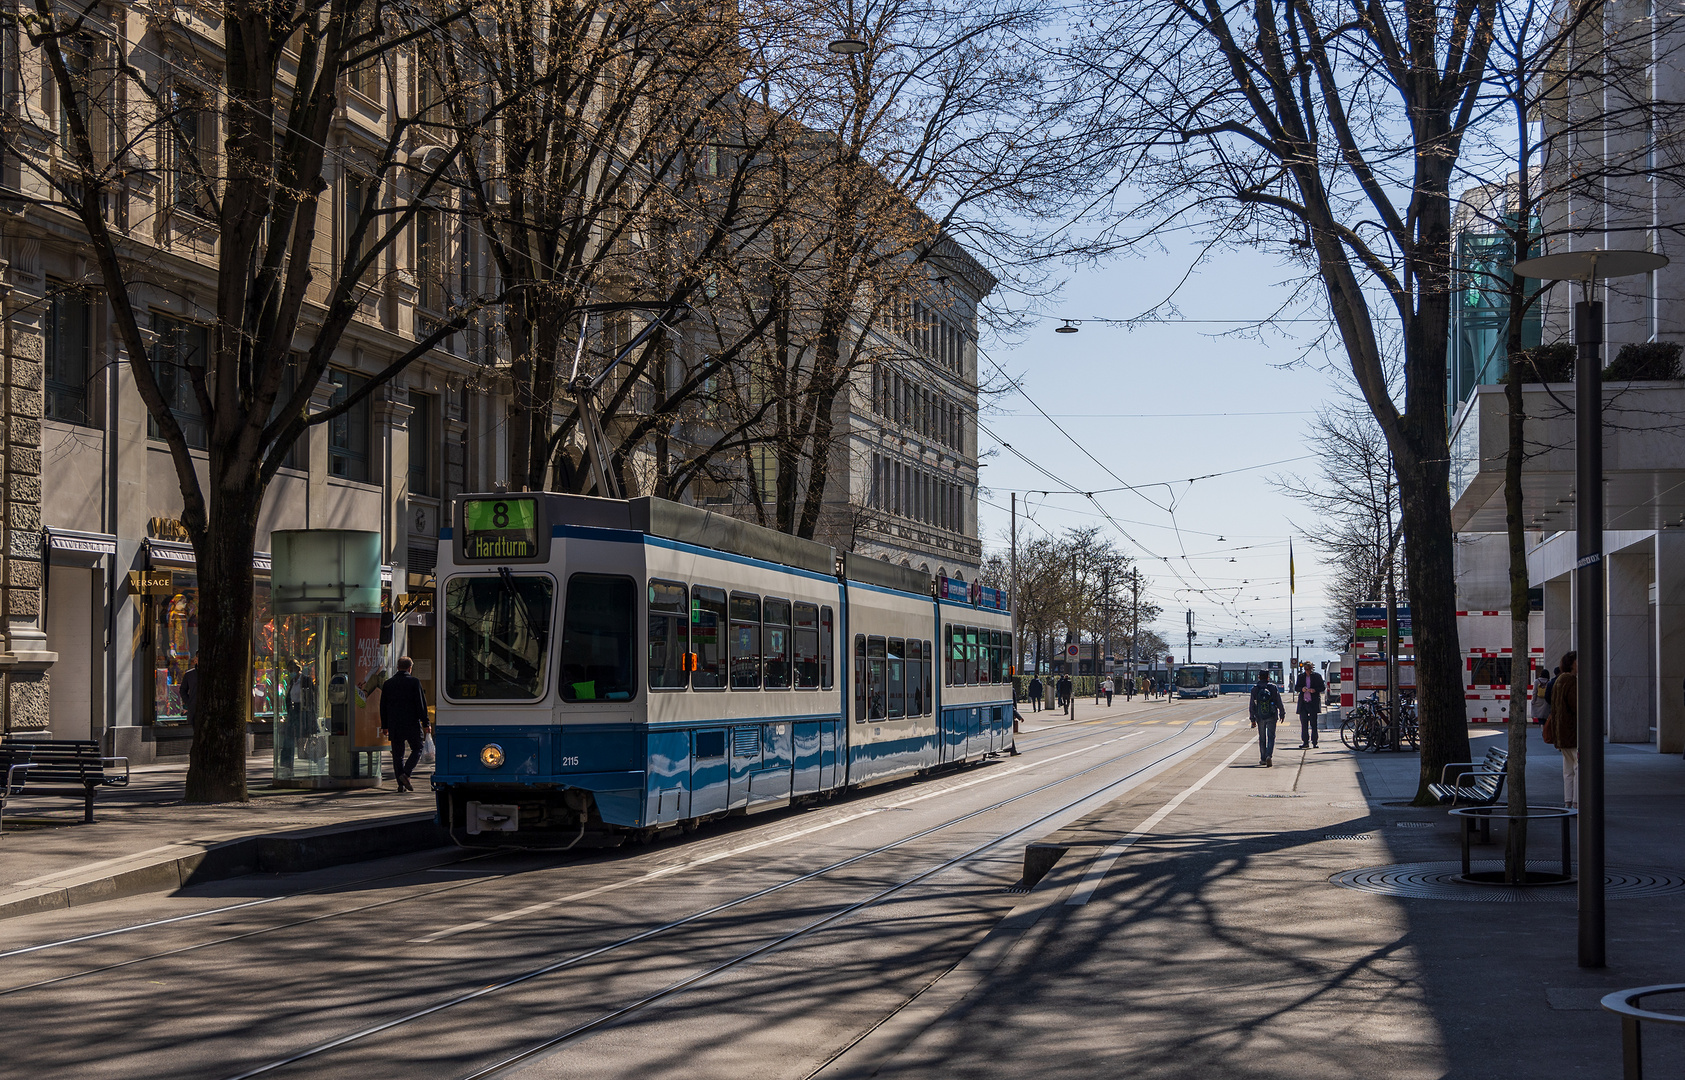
(612, 667)
(1198, 681)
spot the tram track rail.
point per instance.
(641, 1003)
(1111, 723)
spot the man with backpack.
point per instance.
(1266, 709)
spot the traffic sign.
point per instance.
(1073, 650)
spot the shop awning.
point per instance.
(172, 554)
(82, 543)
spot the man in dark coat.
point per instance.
(1266, 709)
(403, 719)
(1308, 688)
(1037, 690)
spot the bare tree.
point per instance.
(1354, 500)
(257, 190)
(623, 174)
(1329, 132)
(926, 140)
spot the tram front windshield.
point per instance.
(1191, 678)
(497, 636)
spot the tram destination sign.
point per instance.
(506, 528)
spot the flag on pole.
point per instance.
(1290, 582)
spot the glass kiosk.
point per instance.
(328, 670)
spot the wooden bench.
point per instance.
(1473, 783)
(72, 768)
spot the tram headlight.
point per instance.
(491, 756)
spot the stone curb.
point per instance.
(270, 853)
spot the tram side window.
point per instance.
(806, 638)
(859, 678)
(827, 659)
(745, 641)
(915, 678)
(953, 652)
(996, 655)
(896, 666)
(707, 637)
(598, 641)
(876, 676)
(497, 636)
(669, 634)
(776, 637)
(927, 675)
(1008, 658)
(972, 667)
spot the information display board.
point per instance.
(502, 528)
(1372, 674)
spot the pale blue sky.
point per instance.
(1212, 404)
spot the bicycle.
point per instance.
(1363, 727)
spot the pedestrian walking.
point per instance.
(1562, 726)
(1266, 709)
(1063, 692)
(403, 720)
(1036, 692)
(1106, 688)
(1539, 707)
(1308, 688)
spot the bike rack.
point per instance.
(1624, 1003)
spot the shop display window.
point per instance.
(175, 637)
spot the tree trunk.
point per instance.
(1425, 514)
(223, 551)
(1520, 677)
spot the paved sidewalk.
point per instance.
(145, 838)
(1214, 945)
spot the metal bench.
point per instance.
(72, 768)
(1473, 783)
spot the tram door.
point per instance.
(830, 755)
(709, 773)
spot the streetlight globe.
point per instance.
(847, 45)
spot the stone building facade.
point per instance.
(91, 494)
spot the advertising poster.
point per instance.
(368, 675)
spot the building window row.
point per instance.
(930, 335)
(930, 414)
(917, 494)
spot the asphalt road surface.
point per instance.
(757, 947)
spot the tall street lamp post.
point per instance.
(1588, 268)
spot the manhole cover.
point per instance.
(1437, 881)
(1414, 824)
(1277, 795)
(1348, 836)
